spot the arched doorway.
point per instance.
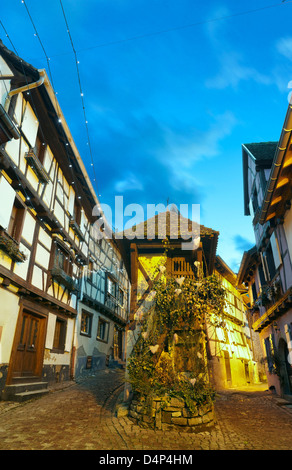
(285, 368)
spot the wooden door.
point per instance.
(29, 345)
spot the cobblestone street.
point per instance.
(82, 417)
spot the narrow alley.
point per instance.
(83, 416)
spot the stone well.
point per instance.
(169, 413)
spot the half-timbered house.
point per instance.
(46, 202)
(103, 307)
(233, 359)
(267, 270)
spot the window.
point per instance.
(102, 330)
(269, 349)
(270, 262)
(86, 323)
(75, 220)
(90, 271)
(16, 221)
(254, 292)
(59, 336)
(237, 303)
(63, 260)
(35, 158)
(262, 276)
(276, 250)
(62, 268)
(121, 297)
(111, 287)
(255, 203)
(40, 148)
(77, 213)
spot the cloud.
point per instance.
(133, 161)
(242, 244)
(233, 71)
(129, 183)
(212, 28)
(150, 162)
(232, 65)
(282, 72)
(146, 157)
(284, 47)
(187, 148)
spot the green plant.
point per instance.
(11, 248)
(169, 356)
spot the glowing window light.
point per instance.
(282, 182)
(276, 200)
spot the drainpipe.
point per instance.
(27, 87)
(281, 149)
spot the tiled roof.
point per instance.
(169, 223)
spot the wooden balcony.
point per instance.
(37, 167)
(180, 267)
(10, 247)
(113, 304)
(63, 278)
(274, 310)
(75, 227)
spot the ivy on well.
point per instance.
(169, 356)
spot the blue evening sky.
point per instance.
(171, 91)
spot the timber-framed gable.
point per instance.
(44, 228)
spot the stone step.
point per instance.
(24, 391)
(116, 363)
(23, 396)
(25, 379)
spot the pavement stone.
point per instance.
(82, 416)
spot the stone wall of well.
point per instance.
(169, 413)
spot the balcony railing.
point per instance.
(274, 309)
(63, 278)
(37, 167)
(113, 304)
(181, 267)
(270, 294)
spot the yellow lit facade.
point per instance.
(232, 361)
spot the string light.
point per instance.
(27, 197)
(100, 265)
(79, 81)
(77, 62)
(58, 111)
